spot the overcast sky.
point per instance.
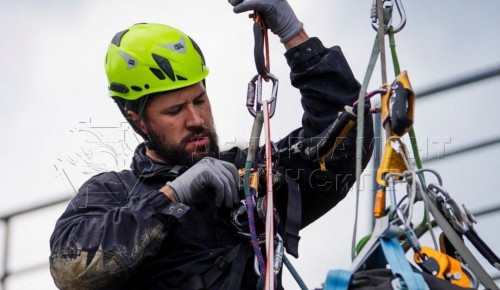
(59, 127)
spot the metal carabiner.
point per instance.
(449, 208)
(254, 94)
(278, 254)
(388, 7)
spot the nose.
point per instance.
(193, 118)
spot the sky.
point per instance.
(59, 127)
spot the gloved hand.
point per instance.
(205, 179)
(277, 14)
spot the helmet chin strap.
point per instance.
(121, 105)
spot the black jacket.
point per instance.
(120, 232)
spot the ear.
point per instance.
(139, 123)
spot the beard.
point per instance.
(176, 154)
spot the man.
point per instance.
(166, 223)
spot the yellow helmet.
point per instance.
(151, 58)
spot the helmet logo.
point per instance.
(131, 62)
(179, 46)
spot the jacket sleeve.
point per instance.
(325, 81)
(326, 84)
(104, 234)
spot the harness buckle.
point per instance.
(220, 262)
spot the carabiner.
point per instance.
(255, 92)
(278, 254)
(387, 6)
(449, 208)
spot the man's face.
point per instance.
(180, 126)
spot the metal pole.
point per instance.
(5, 262)
(465, 149)
(462, 81)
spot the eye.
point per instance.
(200, 100)
(174, 110)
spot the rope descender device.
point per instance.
(397, 117)
(398, 105)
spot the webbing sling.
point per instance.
(400, 266)
(293, 218)
(338, 280)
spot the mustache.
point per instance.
(196, 131)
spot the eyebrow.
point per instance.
(203, 93)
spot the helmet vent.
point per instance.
(181, 78)
(197, 48)
(136, 88)
(157, 73)
(119, 88)
(165, 66)
(117, 39)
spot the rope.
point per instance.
(269, 203)
(294, 273)
(249, 198)
(392, 45)
(413, 140)
(267, 268)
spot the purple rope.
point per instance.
(253, 235)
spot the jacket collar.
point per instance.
(143, 166)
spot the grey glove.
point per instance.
(205, 179)
(278, 15)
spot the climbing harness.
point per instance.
(394, 232)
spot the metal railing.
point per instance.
(5, 219)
